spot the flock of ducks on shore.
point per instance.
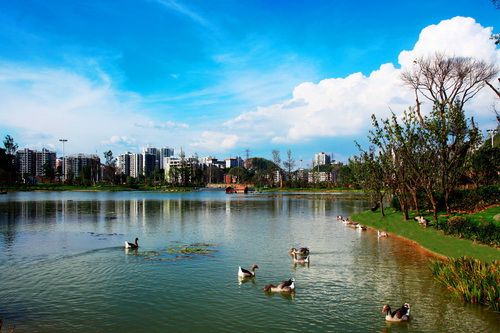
(301, 255)
(348, 222)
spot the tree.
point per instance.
(485, 166)
(289, 164)
(369, 174)
(10, 145)
(346, 177)
(448, 82)
(48, 171)
(277, 162)
(109, 166)
(389, 142)
(262, 170)
(7, 168)
(8, 161)
(239, 173)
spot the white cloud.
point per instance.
(120, 140)
(44, 105)
(215, 141)
(343, 106)
(459, 36)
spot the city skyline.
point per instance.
(218, 79)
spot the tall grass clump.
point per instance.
(472, 280)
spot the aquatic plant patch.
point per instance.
(472, 280)
(178, 252)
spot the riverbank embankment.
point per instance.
(429, 238)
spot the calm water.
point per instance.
(63, 267)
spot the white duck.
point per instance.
(245, 273)
(401, 314)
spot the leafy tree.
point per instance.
(485, 166)
(448, 82)
(238, 172)
(48, 171)
(213, 175)
(369, 174)
(346, 177)
(109, 166)
(262, 170)
(10, 145)
(7, 168)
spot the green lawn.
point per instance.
(429, 238)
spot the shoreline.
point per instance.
(430, 239)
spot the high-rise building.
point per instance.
(32, 162)
(321, 159)
(77, 162)
(136, 165)
(234, 162)
(123, 163)
(162, 154)
(45, 157)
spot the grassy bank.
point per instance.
(429, 238)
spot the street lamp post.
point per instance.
(492, 133)
(64, 159)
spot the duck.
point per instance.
(401, 314)
(339, 218)
(301, 259)
(286, 286)
(304, 251)
(382, 234)
(422, 220)
(361, 227)
(247, 273)
(132, 245)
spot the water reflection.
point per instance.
(82, 281)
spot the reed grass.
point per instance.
(470, 279)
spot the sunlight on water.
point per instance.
(64, 268)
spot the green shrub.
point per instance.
(471, 200)
(456, 225)
(483, 232)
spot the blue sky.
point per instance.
(219, 77)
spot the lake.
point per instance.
(64, 269)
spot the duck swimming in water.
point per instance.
(286, 286)
(300, 259)
(245, 273)
(401, 314)
(303, 251)
(134, 245)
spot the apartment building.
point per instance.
(75, 164)
(321, 159)
(31, 162)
